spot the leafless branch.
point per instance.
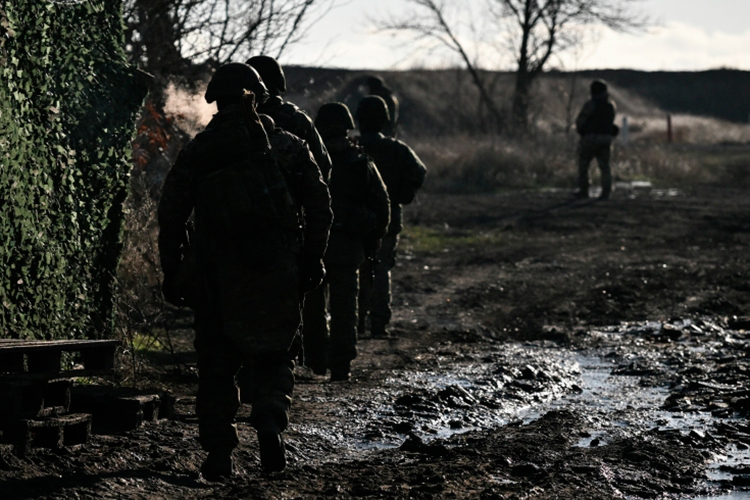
(436, 26)
(219, 30)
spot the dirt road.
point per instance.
(543, 348)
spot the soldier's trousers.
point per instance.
(269, 381)
(380, 295)
(595, 146)
(335, 350)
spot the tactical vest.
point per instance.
(386, 152)
(350, 198)
(242, 198)
(283, 116)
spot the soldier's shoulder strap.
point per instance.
(287, 112)
(286, 140)
(288, 149)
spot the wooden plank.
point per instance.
(42, 358)
(11, 342)
(26, 346)
(28, 377)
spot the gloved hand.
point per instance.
(311, 272)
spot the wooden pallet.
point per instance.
(41, 360)
(66, 431)
(35, 391)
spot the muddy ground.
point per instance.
(543, 348)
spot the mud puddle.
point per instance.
(618, 406)
(456, 389)
(482, 390)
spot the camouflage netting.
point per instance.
(68, 101)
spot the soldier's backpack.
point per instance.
(250, 204)
(410, 181)
(351, 201)
(284, 117)
(407, 189)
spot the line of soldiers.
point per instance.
(265, 220)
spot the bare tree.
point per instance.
(540, 28)
(535, 30)
(432, 23)
(166, 36)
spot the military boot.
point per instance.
(272, 451)
(218, 466)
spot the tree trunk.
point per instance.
(159, 39)
(520, 109)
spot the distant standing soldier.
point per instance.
(377, 87)
(250, 268)
(403, 173)
(287, 115)
(361, 213)
(596, 126)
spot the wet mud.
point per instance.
(542, 348)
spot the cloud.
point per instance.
(674, 47)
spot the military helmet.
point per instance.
(271, 72)
(231, 79)
(374, 82)
(372, 108)
(598, 87)
(334, 114)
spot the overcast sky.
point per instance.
(689, 35)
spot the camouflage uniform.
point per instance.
(289, 117)
(378, 88)
(248, 313)
(595, 125)
(361, 215)
(402, 172)
(286, 115)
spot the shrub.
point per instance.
(66, 122)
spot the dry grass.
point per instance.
(468, 164)
(465, 164)
(143, 320)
